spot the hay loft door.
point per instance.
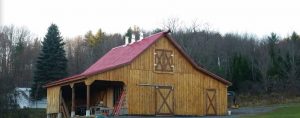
(211, 102)
(164, 98)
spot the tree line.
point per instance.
(254, 66)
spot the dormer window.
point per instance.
(163, 60)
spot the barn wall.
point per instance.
(189, 85)
(53, 99)
(109, 98)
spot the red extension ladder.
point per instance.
(119, 104)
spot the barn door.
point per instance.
(164, 100)
(211, 102)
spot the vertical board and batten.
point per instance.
(109, 97)
(53, 99)
(189, 84)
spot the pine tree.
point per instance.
(133, 31)
(240, 72)
(51, 64)
(129, 33)
(275, 70)
(295, 58)
(93, 40)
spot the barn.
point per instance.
(150, 76)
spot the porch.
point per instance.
(97, 98)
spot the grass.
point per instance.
(289, 111)
(25, 113)
(262, 100)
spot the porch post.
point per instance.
(73, 101)
(88, 112)
(59, 114)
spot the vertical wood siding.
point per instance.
(53, 99)
(189, 85)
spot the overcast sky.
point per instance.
(76, 17)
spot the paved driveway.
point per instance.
(235, 113)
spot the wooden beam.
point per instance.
(88, 96)
(155, 85)
(60, 100)
(88, 84)
(73, 100)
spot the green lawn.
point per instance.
(289, 111)
(25, 113)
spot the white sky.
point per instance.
(76, 17)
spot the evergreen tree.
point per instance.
(129, 34)
(275, 70)
(295, 54)
(240, 72)
(51, 64)
(157, 30)
(94, 45)
(295, 36)
(298, 67)
(92, 39)
(135, 31)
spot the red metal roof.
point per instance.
(122, 55)
(125, 54)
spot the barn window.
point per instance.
(163, 61)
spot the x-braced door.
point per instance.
(164, 98)
(211, 102)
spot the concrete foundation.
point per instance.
(72, 114)
(87, 113)
(59, 115)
